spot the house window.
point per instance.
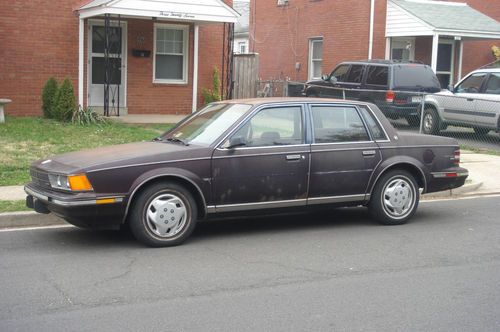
(242, 46)
(170, 54)
(315, 58)
(403, 49)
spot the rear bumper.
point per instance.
(448, 179)
(82, 210)
(394, 110)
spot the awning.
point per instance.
(172, 10)
(407, 18)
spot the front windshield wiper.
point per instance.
(158, 139)
(176, 140)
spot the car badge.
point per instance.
(46, 161)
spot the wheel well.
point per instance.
(172, 178)
(412, 169)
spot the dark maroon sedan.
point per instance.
(248, 156)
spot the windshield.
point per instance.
(416, 78)
(206, 125)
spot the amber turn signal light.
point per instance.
(79, 182)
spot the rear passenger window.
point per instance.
(375, 129)
(355, 74)
(493, 86)
(377, 75)
(340, 73)
(337, 125)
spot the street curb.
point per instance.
(29, 219)
(460, 191)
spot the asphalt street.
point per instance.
(334, 271)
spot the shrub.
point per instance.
(49, 93)
(211, 95)
(65, 103)
(87, 116)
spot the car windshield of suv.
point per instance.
(416, 78)
(206, 125)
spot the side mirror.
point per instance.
(236, 141)
(451, 88)
(324, 77)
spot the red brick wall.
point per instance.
(39, 39)
(282, 33)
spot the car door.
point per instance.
(352, 84)
(264, 163)
(487, 105)
(343, 154)
(333, 88)
(460, 108)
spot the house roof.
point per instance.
(174, 10)
(443, 17)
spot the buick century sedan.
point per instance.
(245, 157)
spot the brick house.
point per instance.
(159, 53)
(302, 39)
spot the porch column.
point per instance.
(435, 47)
(388, 48)
(460, 59)
(195, 67)
(80, 60)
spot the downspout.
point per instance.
(372, 17)
(195, 67)
(80, 60)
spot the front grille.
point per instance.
(40, 178)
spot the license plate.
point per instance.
(416, 99)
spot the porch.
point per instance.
(151, 56)
(434, 32)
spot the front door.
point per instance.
(264, 164)
(117, 62)
(444, 70)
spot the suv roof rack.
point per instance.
(384, 61)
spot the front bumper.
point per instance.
(85, 210)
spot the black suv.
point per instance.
(394, 86)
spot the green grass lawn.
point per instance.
(24, 140)
(13, 206)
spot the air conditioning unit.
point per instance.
(282, 2)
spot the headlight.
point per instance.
(72, 182)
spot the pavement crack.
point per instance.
(127, 271)
(59, 289)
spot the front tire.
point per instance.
(395, 198)
(163, 215)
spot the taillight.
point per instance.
(389, 96)
(456, 157)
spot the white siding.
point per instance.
(400, 23)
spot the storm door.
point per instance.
(117, 62)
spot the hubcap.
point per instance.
(399, 198)
(166, 215)
(428, 122)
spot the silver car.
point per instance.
(473, 102)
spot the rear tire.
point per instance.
(163, 215)
(431, 122)
(395, 198)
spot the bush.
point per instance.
(211, 95)
(65, 103)
(87, 116)
(49, 93)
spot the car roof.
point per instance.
(384, 62)
(280, 100)
(487, 70)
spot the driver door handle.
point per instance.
(292, 157)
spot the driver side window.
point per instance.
(340, 73)
(272, 127)
(471, 84)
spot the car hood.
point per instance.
(119, 155)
